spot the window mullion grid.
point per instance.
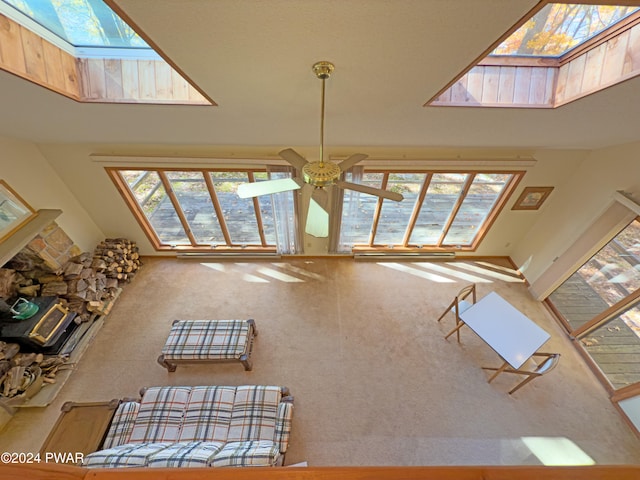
(256, 208)
(456, 208)
(177, 207)
(216, 206)
(416, 209)
(378, 210)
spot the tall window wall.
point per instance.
(199, 209)
(599, 305)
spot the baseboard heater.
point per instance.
(234, 257)
(403, 256)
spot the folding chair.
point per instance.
(549, 362)
(459, 304)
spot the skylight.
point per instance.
(559, 27)
(81, 23)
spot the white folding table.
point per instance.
(509, 332)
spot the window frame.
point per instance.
(552, 68)
(600, 320)
(406, 246)
(195, 247)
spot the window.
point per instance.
(600, 306)
(83, 50)
(562, 53)
(440, 210)
(559, 27)
(81, 23)
(192, 210)
(199, 209)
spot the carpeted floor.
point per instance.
(357, 343)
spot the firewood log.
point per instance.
(72, 270)
(9, 350)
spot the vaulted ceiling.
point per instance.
(254, 58)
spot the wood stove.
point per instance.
(45, 332)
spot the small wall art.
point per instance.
(532, 198)
(14, 211)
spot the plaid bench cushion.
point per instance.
(245, 454)
(127, 455)
(207, 340)
(254, 413)
(186, 454)
(160, 415)
(208, 414)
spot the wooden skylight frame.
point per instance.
(94, 80)
(605, 60)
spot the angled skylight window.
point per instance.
(81, 23)
(559, 53)
(82, 49)
(559, 27)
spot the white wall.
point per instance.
(574, 208)
(554, 168)
(26, 170)
(89, 182)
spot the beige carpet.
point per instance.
(374, 381)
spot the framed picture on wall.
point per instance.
(14, 211)
(532, 198)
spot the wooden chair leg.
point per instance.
(456, 330)
(446, 311)
(499, 370)
(522, 384)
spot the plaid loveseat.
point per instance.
(203, 426)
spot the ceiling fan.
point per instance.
(318, 177)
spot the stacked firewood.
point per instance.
(78, 284)
(118, 258)
(87, 284)
(24, 374)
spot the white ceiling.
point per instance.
(254, 58)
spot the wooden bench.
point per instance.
(209, 341)
(79, 431)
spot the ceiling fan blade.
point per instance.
(351, 161)
(378, 192)
(321, 196)
(295, 159)
(255, 189)
(317, 220)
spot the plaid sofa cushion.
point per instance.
(127, 455)
(283, 425)
(186, 454)
(121, 425)
(244, 454)
(206, 340)
(208, 414)
(254, 413)
(160, 415)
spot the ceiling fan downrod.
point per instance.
(323, 70)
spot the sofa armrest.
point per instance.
(283, 424)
